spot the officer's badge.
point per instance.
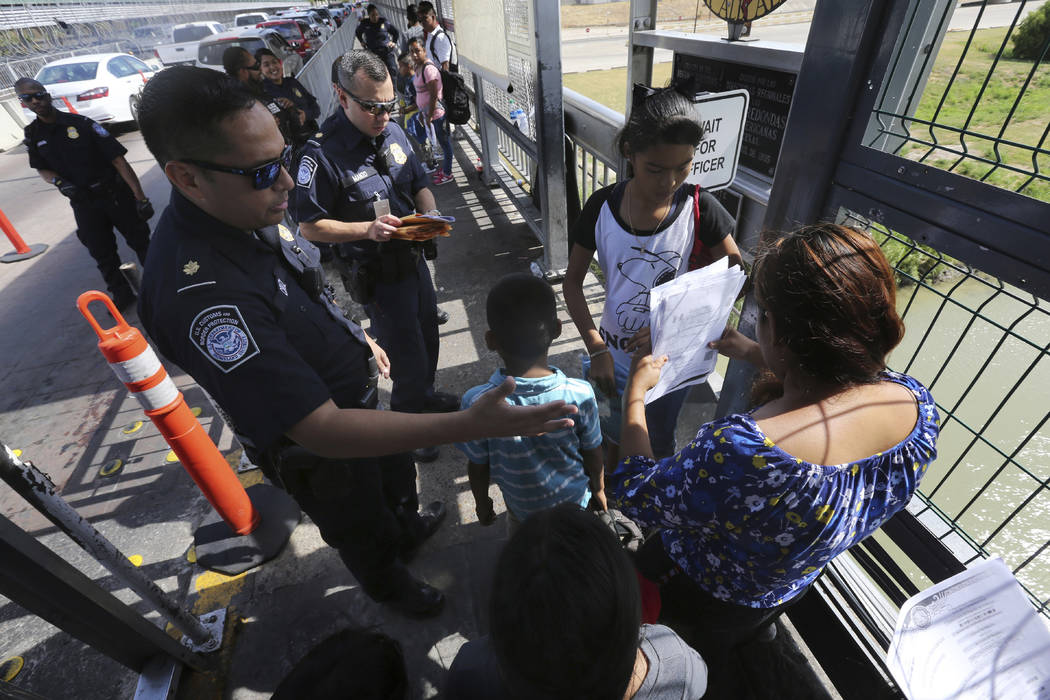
(72, 133)
(398, 154)
(100, 130)
(307, 168)
(285, 233)
(221, 335)
(319, 134)
(191, 268)
(297, 93)
(282, 286)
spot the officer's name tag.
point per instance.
(221, 335)
(382, 207)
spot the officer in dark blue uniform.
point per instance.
(380, 37)
(238, 301)
(354, 180)
(85, 162)
(290, 94)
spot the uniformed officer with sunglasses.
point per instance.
(238, 301)
(353, 181)
(83, 160)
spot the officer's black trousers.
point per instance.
(366, 509)
(404, 320)
(96, 219)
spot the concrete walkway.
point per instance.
(62, 407)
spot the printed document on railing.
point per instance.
(974, 635)
(685, 315)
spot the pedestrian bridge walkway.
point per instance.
(63, 408)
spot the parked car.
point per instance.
(326, 15)
(185, 38)
(338, 14)
(311, 18)
(105, 87)
(209, 52)
(297, 33)
(250, 19)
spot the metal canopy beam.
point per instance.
(43, 583)
(772, 54)
(550, 136)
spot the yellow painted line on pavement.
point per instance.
(196, 411)
(250, 478)
(18, 453)
(132, 428)
(191, 555)
(136, 559)
(10, 667)
(111, 468)
(216, 590)
(171, 456)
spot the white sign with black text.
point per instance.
(722, 115)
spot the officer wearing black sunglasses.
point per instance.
(238, 301)
(354, 180)
(83, 160)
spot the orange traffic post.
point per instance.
(136, 365)
(22, 251)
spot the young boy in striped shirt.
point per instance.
(534, 473)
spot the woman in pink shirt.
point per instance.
(427, 81)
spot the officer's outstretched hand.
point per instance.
(380, 229)
(500, 419)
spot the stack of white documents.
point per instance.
(685, 315)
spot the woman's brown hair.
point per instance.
(832, 295)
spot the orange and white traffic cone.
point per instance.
(22, 251)
(136, 365)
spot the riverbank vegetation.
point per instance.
(979, 100)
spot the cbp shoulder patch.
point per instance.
(100, 130)
(221, 335)
(307, 168)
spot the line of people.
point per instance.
(746, 516)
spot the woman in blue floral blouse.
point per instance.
(757, 504)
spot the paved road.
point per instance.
(605, 47)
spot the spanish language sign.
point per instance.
(722, 115)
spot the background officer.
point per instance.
(290, 94)
(85, 162)
(241, 65)
(380, 37)
(239, 302)
(353, 182)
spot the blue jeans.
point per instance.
(418, 129)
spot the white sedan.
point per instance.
(105, 87)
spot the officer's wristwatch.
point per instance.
(432, 212)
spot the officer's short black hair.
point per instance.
(259, 53)
(371, 6)
(182, 109)
(425, 8)
(523, 316)
(233, 59)
(27, 84)
(359, 59)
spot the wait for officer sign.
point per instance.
(722, 115)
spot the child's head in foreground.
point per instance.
(565, 608)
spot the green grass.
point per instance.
(609, 87)
(950, 102)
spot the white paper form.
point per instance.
(685, 315)
(974, 635)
